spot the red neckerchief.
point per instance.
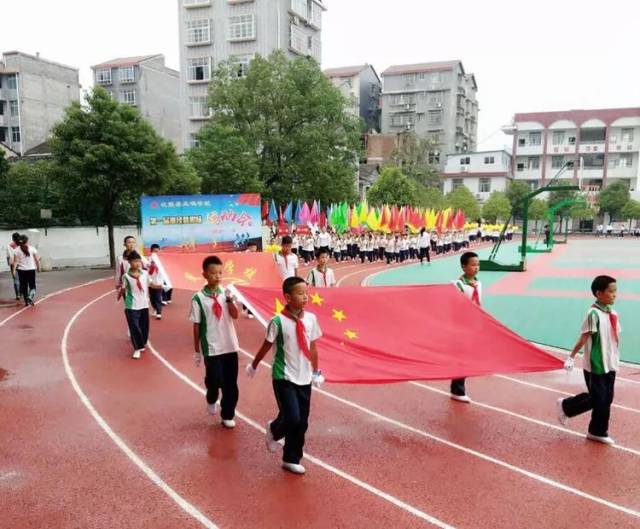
(613, 320)
(286, 260)
(324, 276)
(475, 297)
(153, 268)
(138, 282)
(301, 334)
(217, 308)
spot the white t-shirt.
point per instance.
(308, 244)
(324, 239)
(24, 262)
(160, 276)
(136, 293)
(286, 266)
(318, 279)
(423, 240)
(289, 362)
(601, 352)
(217, 336)
(11, 248)
(462, 285)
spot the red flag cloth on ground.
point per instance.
(240, 268)
(380, 334)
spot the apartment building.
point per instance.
(436, 100)
(34, 93)
(481, 172)
(216, 31)
(148, 84)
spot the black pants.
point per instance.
(433, 246)
(138, 321)
(222, 375)
(598, 399)
(457, 387)
(167, 295)
(362, 256)
(155, 295)
(424, 254)
(27, 279)
(294, 403)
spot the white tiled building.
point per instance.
(481, 172)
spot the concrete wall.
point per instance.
(370, 89)
(159, 100)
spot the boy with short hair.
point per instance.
(600, 337)
(322, 276)
(295, 368)
(469, 285)
(286, 261)
(214, 338)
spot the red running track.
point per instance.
(392, 456)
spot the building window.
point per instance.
(193, 140)
(557, 162)
(128, 97)
(298, 40)
(436, 78)
(12, 82)
(300, 8)
(199, 69)
(316, 48)
(242, 27)
(199, 107)
(522, 142)
(316, 15)
(535, 138)
(103, 77)
(534, 162)
(485, 185)
(409, 78)
(13, 108)
(198, 32)
(435, 117)
(15, 134)
(489, 160)
(533, 184)
(593, 161)
(456, 183)
(558, 137)
(240, 64)
(465, 160)
(127, 74)
(627, 135)
(196, 3)
(626, 159)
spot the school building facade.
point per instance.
(594, 147)
(216, 31)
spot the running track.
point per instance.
(90, 439)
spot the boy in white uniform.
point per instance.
(286, 261)
(214, 338)
(322, 276)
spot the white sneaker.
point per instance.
(599, 439)
(228, 423)
(295, 469)
(136, 354)
(212, 409)
(164, 302)
(272, 444)
(562, 416)
(158, 316)
(461, 398)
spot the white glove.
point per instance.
(197, 358)
(250, 371)
(229, 295)
(317, 379)
(568, 364)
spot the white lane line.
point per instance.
(485, 457)
(135, 459)
(8, 475)
(352, 479)
(49, 296)
(558, 391)
(522, 417)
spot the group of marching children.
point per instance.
(141, 282)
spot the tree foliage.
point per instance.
(462, 198)
(517, 190)
(631, 210)
(496, 208)
(392, 187)
(613, 198)
(413, 155)
(429, 197)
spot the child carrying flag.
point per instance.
(295, 368)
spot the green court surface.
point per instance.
(548, 302)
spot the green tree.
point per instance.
(108, 156)
(429, 197)
(225, 161)
(516, 191)
(538, 210)
(497, 207)
(613, 198)
(462, 198)
(4, 166)
(556, 196)
(631, 211)
(181, 178)
(293, 122)
(392, 187)
(413, 155)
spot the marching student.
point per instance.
(423, 246)
(214, 338)
(434, 241)
(295, 369)
(158, 276)
(337, 248)
(469, 285)
(122, 263)
(440, 243)
(307, 252)
(286, 261)
(11, 248)
(397, 248)
(135, 292)
(413, 247)
(295, 244)
(25, 264)
(324, 240)
(322, 275)
(404, 248)
(600, 338)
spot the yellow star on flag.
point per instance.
(279, 306)
(249, 273)
(339, 315)
(352, 335)
(229, 267)
(316, 299)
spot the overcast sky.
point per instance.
(526, 56)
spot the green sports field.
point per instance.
(547, 303)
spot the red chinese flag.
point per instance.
(379, 335)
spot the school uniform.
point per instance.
(404, 249)
(390, 250)
(307, 253)
(295, 240)
(440, 245)
(292, 374)
(26, 272)
(475, 295)
(122, 267)
(344, 250)
(136, 307)
(324, 240)
(423, 247)
(219, 347)
(382, 247)
(600, 363)
(316, 278)
(368, 249)
(11, 248)
(287, 265)
(413, 247)
(156, 278)
(434, 242)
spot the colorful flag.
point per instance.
(273, 212)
